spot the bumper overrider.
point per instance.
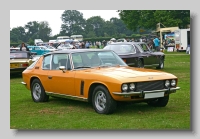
(142, 93)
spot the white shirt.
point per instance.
(23, 48)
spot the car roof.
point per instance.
(76, 51)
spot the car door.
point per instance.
(61, 81)
(142, 54)
(149, 58)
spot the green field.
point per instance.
(70, 114)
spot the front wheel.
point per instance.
(37, 92)
(102, 101)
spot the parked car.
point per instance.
(51, 48)
(15, 49)
(19, 61)
(96, 76)
(38, 49)
(138, 54)
(121, 40)
(65, 46)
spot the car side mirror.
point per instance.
(62, 68)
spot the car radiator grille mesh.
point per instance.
(148, 86)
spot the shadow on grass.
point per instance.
(122, 107)
(17, 75)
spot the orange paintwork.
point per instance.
(68, 83)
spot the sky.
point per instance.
(22, 17)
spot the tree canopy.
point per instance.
(147, 19)
(131, 22)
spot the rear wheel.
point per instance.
(161, 63)
(102, 101)
(159, 102)
(37, 92)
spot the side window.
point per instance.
(46, 62)
(61, 60)
(144, 47)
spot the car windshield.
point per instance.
(121, 49)
(19, 55)
(96, 59)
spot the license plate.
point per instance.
(154, 95)
(14, 65)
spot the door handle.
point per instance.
(50, 77)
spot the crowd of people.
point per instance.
(153, 43)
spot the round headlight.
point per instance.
(132, 86)
(173, 82)
(167, 83)
(124, 87)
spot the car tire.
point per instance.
(37, 92)
(140, 63)
(102, 101)
(161, 63)
(159, 102)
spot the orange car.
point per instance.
(97, 76)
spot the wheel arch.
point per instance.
(91, 89)
(33, 78)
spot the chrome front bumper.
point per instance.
(145, 92)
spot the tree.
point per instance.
(95, 24)
(109, 29)
(32, 29)
(120, 27)
(44, 31)
(18, 34)
(73, 23)
(147, 19)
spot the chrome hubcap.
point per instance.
(36, 91)
(100, 101)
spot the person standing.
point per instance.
(97, 44)
(87, 45)
(23, 47)
(157, 44)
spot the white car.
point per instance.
(48, 48)
(65, 46)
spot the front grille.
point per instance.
(148, 86)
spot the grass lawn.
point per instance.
(70, 114)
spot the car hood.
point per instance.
(126, 74)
